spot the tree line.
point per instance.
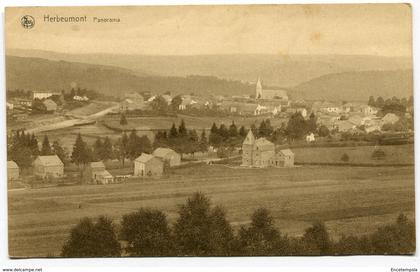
(202, 229)
(391, 105)
(23, 147)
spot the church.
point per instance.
(261, 153)
(261, 93)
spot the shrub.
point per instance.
(92, 239)
(147, 233)
(345, 157)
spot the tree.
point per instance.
(33, 145)
(107, 152)
(147, 233)
(296, 126)
(89, 239)
(261, 238)
(159, 104)
(46, 147)
(121, 148)
(123, 120)
(379, 102)
(81, 154)
(345, 157)
(312, 123)
(372, 101)
(97, 149)
(133, 146)
(223, 131)
(182, 130)
(203, 144)
(323, 131)
(233, 130)
(173, 132)
(200, 230)
(242, 132)
(176, 101)
(316, 240)
(59, 151)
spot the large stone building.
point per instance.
(48, 167)
(261, 93)
(262, 153)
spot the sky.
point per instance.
(367, 29)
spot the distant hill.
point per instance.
(277, 70)
(356, 86)
(42, 74)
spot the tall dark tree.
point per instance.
(121, 148)
(107, 151)
(59, 151)
(296, 126)
(223, 131)
(312, 123)
(203, 144)
(173, 132)
(134, 146)
(81, 154)
(147, 233)
(176, 101)
(92, 239)
(242, 132)
(34, 145)
(123, 120)
(372, 101)
(261, 238)
(316, 240)
(46, 147)
(233, 130)
(199, 230)
(182, 130)
(98, 149)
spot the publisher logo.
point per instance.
(27, 21)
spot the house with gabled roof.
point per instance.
(168, 155)
(147, 165)
(48, 167)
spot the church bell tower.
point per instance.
(258, 89)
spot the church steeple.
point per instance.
(258, 89)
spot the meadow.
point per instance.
(351, 200)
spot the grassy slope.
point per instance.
(345, 197)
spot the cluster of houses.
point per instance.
(146, 165)
(23, 105)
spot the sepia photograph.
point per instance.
(210, 130)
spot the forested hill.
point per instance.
(357, 86)
(281, 70)
(42, 74)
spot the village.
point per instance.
(283, 123)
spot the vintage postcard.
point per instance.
(218, 130)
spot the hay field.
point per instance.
(351, 200)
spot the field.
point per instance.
(198, 123)
(351, 200)
(394, 154)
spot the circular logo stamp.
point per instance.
(27, 21)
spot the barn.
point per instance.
(169, 156)
(148, 165)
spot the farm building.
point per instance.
(12, 170)
(50, 105)
(168, 155)
(148, 166)
(48, 166)
(44, 94)
(95, 172)
(261, 153)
